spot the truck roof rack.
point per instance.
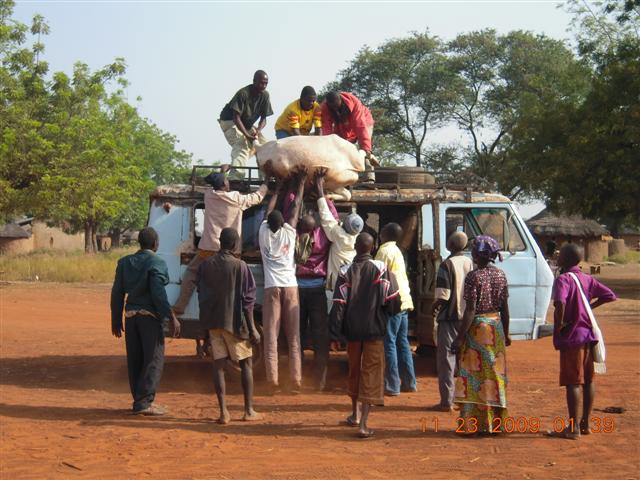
(389, 178)
(243, 180)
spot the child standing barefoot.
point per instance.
(574, 337)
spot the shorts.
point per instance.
(366, 371)
(225, 344)
(576, 365)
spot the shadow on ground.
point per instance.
(108, 373)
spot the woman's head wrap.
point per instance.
(486, 247)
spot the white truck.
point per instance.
(428, 212)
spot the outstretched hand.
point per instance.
(300, 173)
(319, 180)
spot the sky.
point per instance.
(187, 59)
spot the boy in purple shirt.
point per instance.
(574, 337)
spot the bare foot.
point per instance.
(584, 427)
(252, 416)
(224, 417)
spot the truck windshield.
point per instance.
(497, 222)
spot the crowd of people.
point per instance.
(308, 256)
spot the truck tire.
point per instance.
(405, 176)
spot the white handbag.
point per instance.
(599, 352)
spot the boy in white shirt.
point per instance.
(280, 305)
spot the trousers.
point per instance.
(399, 371)
(314, 323)
(280, 307)
(446, 361)
(144, 341)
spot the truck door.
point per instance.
(428, 263)
(173, 227)
(519, 252)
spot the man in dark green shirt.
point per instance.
(142, 278)
(238, 117)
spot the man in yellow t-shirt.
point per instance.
(300, 116)
(399, 372)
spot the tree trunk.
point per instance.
(88, 237)
(418, 158)
(115, 235)
(94, 238)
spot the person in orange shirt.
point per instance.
(300, 116)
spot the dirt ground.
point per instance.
(64, 399)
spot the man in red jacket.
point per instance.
(345, 115)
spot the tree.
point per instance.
(594, 167)
(505, 84)
(72, 150)
(23, 107)
(406, 82)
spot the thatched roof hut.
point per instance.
(547, 224)
(552, 229)
(14, 239)
(12, 230)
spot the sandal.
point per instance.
(566, 434)
(152, 410)
(368, 434)
(351, 422)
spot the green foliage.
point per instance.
(630, 256)
(407, 84)
(72, 148)
(485, 84)
(63, 267)
(542, 121)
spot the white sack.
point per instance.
(342, 159)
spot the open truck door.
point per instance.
(428, 263)
(529, 277)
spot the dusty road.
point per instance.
(64, 399)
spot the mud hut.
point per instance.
(631, 237)
(27, 234)
(551, 229)
(15, 239)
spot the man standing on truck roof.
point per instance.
(280, 305)
(238, 117)
(300, 116)
(222, 208)
(227, 294)
(400, 374)
(344, 114)
(141, 278)
(342, 237)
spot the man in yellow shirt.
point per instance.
(300, 116)
(400, 374)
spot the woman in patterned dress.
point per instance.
(482, 341)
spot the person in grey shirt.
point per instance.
(450, 306)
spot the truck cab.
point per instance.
(428, 212)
